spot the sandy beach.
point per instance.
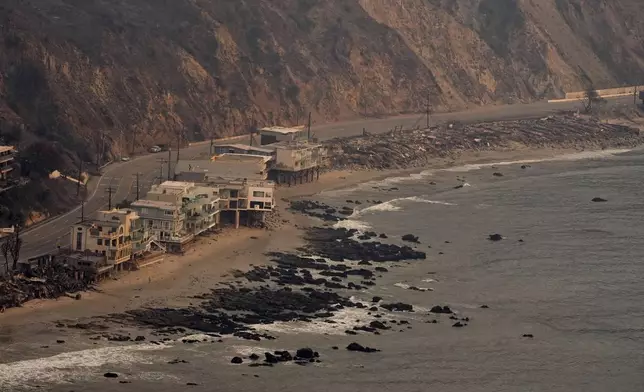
(210, 260)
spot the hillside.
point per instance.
(141, 71)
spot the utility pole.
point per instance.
(109, 198)
(309, 132)
(80, 172)
(82, 209)
(137, 185)
(635, 95)
(161, 162)
(179, 137)
(212, 142)
(170, 160)
(427, 110)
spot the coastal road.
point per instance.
(121, 176)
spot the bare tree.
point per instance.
(4, 249)
(591, 99)
(15, 248)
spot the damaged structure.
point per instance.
(296, 162)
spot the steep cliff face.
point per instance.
(140, 72)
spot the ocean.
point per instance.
(557, 305)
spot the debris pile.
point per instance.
(40, 283)
(414, 148)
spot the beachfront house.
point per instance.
(114, 236)
(175, 212)
(270, 135)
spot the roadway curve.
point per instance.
(121, 176)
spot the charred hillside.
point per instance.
(141, 71)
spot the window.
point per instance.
(99, 242)
(258, 194)
(113, 242)
(79, 241)
(169, 212)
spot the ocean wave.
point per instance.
(61, 368)
(419, 199)
(565, 157)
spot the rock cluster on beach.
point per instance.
(294, 287)
(413, 148)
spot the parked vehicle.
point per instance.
(125, 159)
(155, 149)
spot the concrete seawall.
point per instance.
(610, 92)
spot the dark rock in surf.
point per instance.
(378, 325)
(270, 358)
(528, 335)
(398, 307)
(497, 174)
(410, 238)
(305, 353)
(253, 357)
(441, 309)
(110, 375)
(376, 299)
(458, 324)
(599, 200)
(495, 237)
(383, 235)
(358, 347)
(237, 360)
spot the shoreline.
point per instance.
(211, 259)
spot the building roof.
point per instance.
(242, 158)
(162, 205)
(245, 147)
(227, 168)
(283, 130)
(6, 148)
(294, 145)
(177, 184)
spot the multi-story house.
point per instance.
(111, 236)
(6, 161)
(175, 212)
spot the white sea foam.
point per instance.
(200, 337)
(72, 365)
(381, 207)
(343, 320)
(429, 280)
(246, 350)
(418, 199)
(352, 224)
(566, 157)
(405, 286)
